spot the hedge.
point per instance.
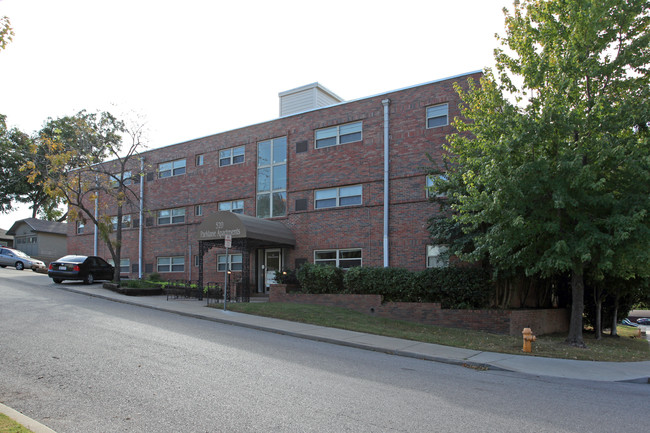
(452, 287)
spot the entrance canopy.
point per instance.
(216, 226)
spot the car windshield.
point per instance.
(74, 259)
(20, 254)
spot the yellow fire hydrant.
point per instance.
(528, 339)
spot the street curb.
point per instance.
(24, 420)
(406, 354)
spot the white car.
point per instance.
(19, 260)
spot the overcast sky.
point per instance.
(193, 68)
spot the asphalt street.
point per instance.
(83, 364)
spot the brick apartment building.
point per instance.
(308, 186)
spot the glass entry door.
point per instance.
(272, 263)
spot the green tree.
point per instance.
(6, 32)
(550, 170)
(77, 171)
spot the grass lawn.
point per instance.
(626, 347)
(7, 425)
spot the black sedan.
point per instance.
(85, 268)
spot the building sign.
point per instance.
(221, 225)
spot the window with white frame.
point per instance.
(198, 210)
(171, 264)
(171, 216)
(437, 256)
(125, 265)
(198, 160)
(196, 260)
(172, 168)
(126, 222)
(235, 261)
(336, 197)
(272, 178)
(126, 179)
(343, 259)
(339, 134)
(231, 156)
(430, 187)
(437, 115)
(235, 206)
(80, 227)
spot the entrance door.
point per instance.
(272, 263)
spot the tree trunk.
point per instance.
(577, 308)
(599, 323)
(118, 245)
(615, 318)
(598, 302)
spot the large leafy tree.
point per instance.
(86, 163)
(550, 170)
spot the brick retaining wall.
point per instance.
(542, 321)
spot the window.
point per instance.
(126, 176)
(234, 259)
(437, 116)
(199, 160)
(235, 206)
(272, 178)
(196, 260)
(198, 210)
(125, 265)
(437, 256)
(231, 156)
(171, 216)
(430, 190)
(126, 222)
(80, 227)
(335, 197)
(171, 264)
(343, 259)
(340, 134)
(173, 168)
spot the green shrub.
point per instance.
(454, 287)
(287, 276)
(394, 284)
(155, 276)
(320, 278)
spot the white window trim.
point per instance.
(338, 135)
(221, 259)
(80, 227)
(198, 210)
(174, 166)
(427, 117)
(231, 208)
(171, 264)
(231, 156)
(338, 258)
(338, 197)
(434, 252)
(122, 265)
(199, 160)
(173, 213)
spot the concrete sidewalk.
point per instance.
(638, 372)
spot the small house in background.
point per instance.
(43, 240)
(5, 239)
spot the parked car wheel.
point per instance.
(57, 280)
(20, 266)
(89, 279)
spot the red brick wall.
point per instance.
(352, 163)
(510, 322)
